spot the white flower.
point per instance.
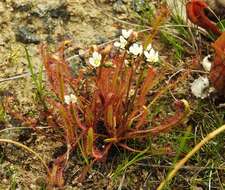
(131, 92)
(136, 49)
(198, 87)
(122, 43)
(126, 33)
(151, 55)
(70, 99)
(95, 60)
(126, 62)
(206, 63)
(149, 47)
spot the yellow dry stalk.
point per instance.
(197, 147)
(26, 148)
(164, 12)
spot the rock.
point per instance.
(60, 12)
(119, 7)
(25, 35)
(138, 5)
(100, 39)
(40, 11)
(23, 7)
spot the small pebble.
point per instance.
(26, 36)
(119, 7)
(138, 5)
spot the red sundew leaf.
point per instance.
(196, 14)
(84, 173)
(78, 121)
(142, 120)
(119, 62)
(67, 123)
(128, 148)
(102, 98)
(109, 118)
(146, 86)
(90, 140)
(89, 117)
(101, 155)
(131, 118)
(172, 121)
(182, 113)
(217, 73)
(109, 99)
(121, 99)
(58, 71)
(98, 155)
(66, 120)
(55, 176)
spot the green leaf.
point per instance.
(221, 24)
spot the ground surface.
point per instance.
(29, 23)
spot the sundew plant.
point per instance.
(107, 103)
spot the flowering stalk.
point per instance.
(163, 14)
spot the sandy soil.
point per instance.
(26, 23)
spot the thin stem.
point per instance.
(181, 163)
(129, 148)
(26, 148)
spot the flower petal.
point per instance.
(117, 44)
(206, 63)
(147, 55)
(95, 54)
(91, 60)
(95, 60)
(67, 99)
(73, 98)
(126, 33)
(149, 47)
(136, 49)
(199, 86)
